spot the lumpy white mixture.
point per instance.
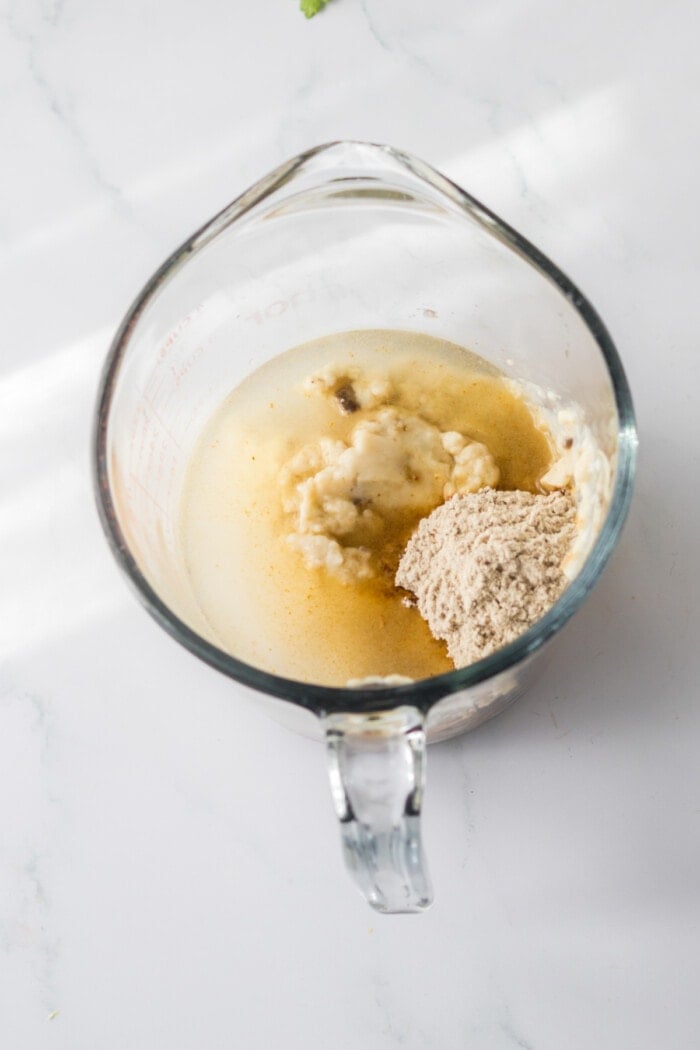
(581, 466)
(393, 462)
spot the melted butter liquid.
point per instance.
(262, 604)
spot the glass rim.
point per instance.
(422, 693)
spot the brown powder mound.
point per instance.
(485, 566)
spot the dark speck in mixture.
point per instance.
(347, 399)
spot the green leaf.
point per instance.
(312, 7)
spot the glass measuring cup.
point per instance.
(346, 236)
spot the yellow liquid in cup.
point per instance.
(261, 602)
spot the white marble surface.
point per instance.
(169, 870)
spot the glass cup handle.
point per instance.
(376, 765)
